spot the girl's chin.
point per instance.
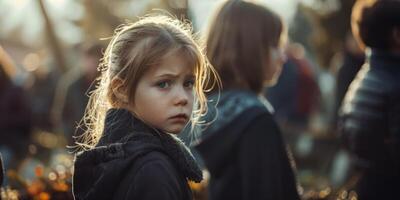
(174, 131)
(176, 128)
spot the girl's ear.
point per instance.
(118, 90)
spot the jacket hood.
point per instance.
(124, 139)
(229, 114)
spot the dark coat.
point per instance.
(370, 124)
(15, 114)
(134, 161)
(15, 121)
(244, 151)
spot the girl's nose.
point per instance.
(182, 97)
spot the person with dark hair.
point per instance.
(370, 113)
(243, 148)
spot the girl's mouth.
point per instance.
(180, 117)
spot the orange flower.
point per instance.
(39, 171)
(60, 186)
(35, 188)
(44, 196)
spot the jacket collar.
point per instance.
(119, 125)
(381, 58)
(228, 105)
(122, 127)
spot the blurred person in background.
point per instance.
(15, 118)
(370, 113)
(243, 148)
(296, 94)
(353, 59)
(76, 88)
(41, 87)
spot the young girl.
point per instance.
(243, 148)
(152, 83)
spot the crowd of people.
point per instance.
(246, 100)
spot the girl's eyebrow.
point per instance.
(167, 75)
(171, 75)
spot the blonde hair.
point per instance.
(132, 50)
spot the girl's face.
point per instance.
(164, 95)
(276, 60)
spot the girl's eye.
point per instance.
(163, 84)
(189, 84)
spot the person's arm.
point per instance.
(264, 166)
(155, 180)
(363, 124)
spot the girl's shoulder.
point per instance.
(154, 158)
(154, 170)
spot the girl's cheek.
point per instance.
(191, 101)
(191, 94)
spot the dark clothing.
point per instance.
(370, 123)
(76, 100)
(15, 117)
(15, 120)
(244, 151)
(295, 96)
(41, 99)
(347, 72)
(134, 161)
(283, 95)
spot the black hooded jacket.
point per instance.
(244, 151)
(134, 161)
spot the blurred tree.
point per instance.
(330, 20)
(179, 8)
(102, 17)
(98, 21)
(300, 29)
(52, 39)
